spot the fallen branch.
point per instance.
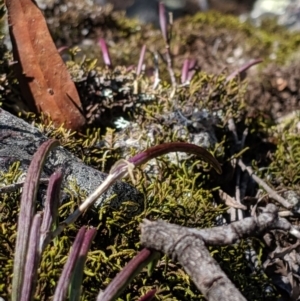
(189, 247)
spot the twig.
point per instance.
(189, 247)
(238, 146)
(287, 213)
(238, 193)
(13, 187)
(272, 193)
(229, 201)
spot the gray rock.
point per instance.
(286, 11)
(20, 140)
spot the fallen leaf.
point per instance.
(45, 82)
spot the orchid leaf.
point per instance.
(120, 282)
(27, 209)
(149, 296)
(165, 148)
(51, 207)
(64, 280)
(75, 287)
(105, 53)
(32, 260)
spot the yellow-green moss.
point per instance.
(172, 196)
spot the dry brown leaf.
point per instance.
(44, 79)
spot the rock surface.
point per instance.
(20, 140)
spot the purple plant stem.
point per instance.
(32, 260)
(120, 282)
(78, 271)
(27, 209)
(170, 65)
(148, 296)
(188, 70)
(141, 60)
(167, 38)
(156, 71)
(62, 49)
(105, 53)
(185, 71)
(51, 207)
(165, 148)
(192, 66)
(64, 280)
(242, 69)
(163, 22)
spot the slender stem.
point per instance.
(272, 193)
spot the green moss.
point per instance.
(172, 195)
(284, 170)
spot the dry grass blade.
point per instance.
(231, 202)
(44, 79)
(272, 193)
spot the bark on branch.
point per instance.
(189, 247)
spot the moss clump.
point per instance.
(283, 172)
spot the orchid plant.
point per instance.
(37, 229)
